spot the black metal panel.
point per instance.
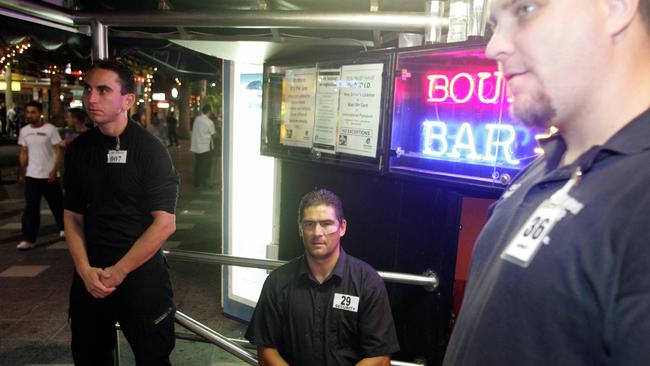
(396, 225)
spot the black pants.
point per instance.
(171, 135)
(142, 304)
(31, 219)
(202, 168)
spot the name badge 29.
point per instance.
(116, 157)
(533, 234)
(346, 302)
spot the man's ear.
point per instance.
(344, 225)
(128, 101)
(620, 15)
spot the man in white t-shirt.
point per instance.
(202, 132)
(40, 159)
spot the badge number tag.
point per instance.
(346, 302)
(116, 157)
(529, 239)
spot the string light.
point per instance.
(12, 51)
(52, 70)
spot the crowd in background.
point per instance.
(12, 118)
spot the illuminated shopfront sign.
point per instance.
(451, 120)
(15, 85)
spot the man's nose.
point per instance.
(500, 45)
(90, 96)
(319, 229)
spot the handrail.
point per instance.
(244, 343)
(216, 338)
(429, 280)
(212, 258)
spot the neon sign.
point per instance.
(487, 86)
(487, 143)
(451, 120)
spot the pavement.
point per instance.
(34, 284)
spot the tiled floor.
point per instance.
(34, 284)
(23, 271)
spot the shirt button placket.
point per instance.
(318, 323)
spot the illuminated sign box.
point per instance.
(15, 85)
(451, 120)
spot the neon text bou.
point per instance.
(459, 88)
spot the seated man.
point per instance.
(324, 307)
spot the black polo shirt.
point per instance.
(322, 324)
(116, 199)
(584, 298)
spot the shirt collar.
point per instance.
(338, 271)
(629, 140)
(633, 137)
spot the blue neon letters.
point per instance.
(485, 143)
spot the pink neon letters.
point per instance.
(459, 88)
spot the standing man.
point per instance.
(3, 118)
(40, 159)
(76, 120)
(561, 271)
(202, 132)
(12, 120)
(171, 129)
(324, 307)
(120, 197)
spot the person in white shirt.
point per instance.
(40, 159)
(202, 132)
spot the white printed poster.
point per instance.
(359, 109)
(327, 106)
(298, 97)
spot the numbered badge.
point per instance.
(346, 302)
(531, 236)
(116, 157)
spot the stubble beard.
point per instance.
(319, 254)
(536, 110)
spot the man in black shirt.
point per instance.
(120, 198)
(560, 274)
(171, 129)
(325, 307)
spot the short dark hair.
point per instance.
(207, 108)
(78, 114)
(644, 9)
(124, 74)
(319, 197)
(35, 104)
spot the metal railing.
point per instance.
(236, 347)
(215, 338)
(232, 346)
(429, 280)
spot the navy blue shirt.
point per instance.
(584, 298)
(310, 325)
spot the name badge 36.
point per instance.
(531, 236)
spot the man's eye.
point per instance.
(491, 24)
(526, 9)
